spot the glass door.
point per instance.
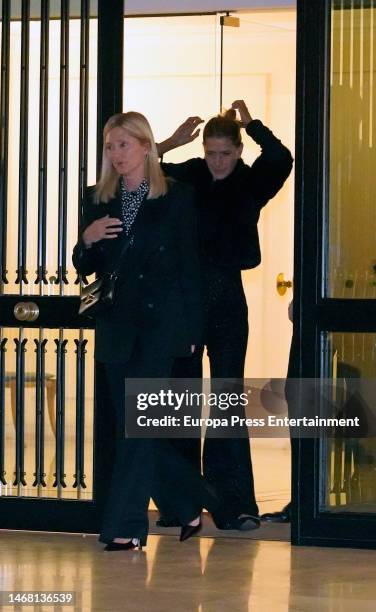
(336, 329)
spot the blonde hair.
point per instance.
(136, 125)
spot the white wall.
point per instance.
(259, 66)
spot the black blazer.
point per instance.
(158, 301)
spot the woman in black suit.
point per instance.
(230, 196)
(156, 316)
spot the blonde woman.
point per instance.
(156, 316)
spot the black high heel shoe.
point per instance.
(187, 531)
(131, 545)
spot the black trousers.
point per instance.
(143, 466)
(227, 465)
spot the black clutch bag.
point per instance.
(100, 295)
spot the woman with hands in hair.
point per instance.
(229, 197)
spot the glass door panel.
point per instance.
(335, 316)
(349, 483)
(351, 217)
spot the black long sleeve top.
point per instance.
(229, 209)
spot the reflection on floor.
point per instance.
(201, 575)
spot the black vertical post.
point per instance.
(311, 139)
(311, 108)
(110, 64)
(84, 111)
(24, 128)
(39, 474)
(222, 23)
(4, 134)
(20, 410)
(2, 410)
(63, 145)
(84, 102)
(60, 411)
(43, 142)
(80, 413)
(110, 101)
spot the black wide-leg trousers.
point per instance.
(143, 467)
(227, 465)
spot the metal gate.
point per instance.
(56, 88)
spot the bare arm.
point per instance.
(186, 132)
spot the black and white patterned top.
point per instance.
(131, 202)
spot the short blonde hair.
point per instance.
(136, 125)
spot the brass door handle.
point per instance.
(26, 311)
(282, 284)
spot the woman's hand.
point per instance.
(186, 132)
(105, 228)
(241, 107)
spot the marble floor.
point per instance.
(200, 575)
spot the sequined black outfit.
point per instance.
(228, 212)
